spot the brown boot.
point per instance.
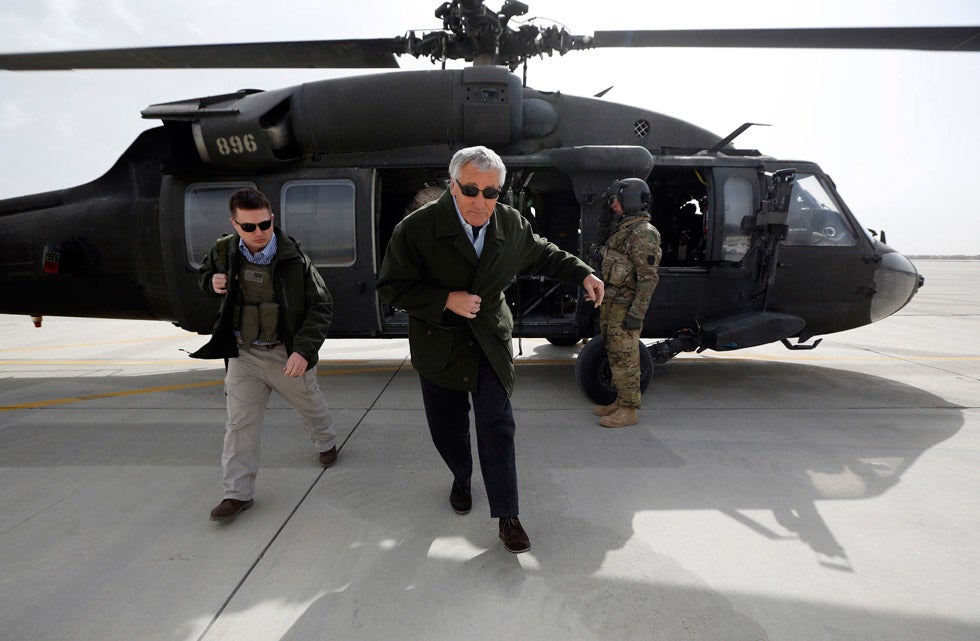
(228, 509)
(621, 418)
(606, 410)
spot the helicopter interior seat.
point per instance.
(690, 233)
(681, 227)
(800, 226)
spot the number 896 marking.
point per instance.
(236, 145)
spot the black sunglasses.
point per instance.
(470, 191)
(250, 227)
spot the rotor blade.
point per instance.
(920, 38)
(342, 54)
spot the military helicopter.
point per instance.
(756, 249)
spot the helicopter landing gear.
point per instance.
(594, 376)
(683, 341)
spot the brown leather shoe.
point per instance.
(621, 418)
(606, 410)
(329, 457)
(513, 535)
(228, 509)
(461, 500)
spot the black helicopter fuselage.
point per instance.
(755, 249)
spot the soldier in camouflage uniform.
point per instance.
(630, 258)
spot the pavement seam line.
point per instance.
(289, 517)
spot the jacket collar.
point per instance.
(447, 225)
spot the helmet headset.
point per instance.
(633, 195)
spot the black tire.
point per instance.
(593, 374)
(564, 341)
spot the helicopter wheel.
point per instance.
(564, 341)
(594, 376)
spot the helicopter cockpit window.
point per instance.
(739, 202)
(814, 219)
(206, 216)
(321, 213)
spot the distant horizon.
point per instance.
(941, 257)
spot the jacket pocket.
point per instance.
(430, 345)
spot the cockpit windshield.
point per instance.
(814, 218)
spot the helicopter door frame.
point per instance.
(337, 205)
(703, 279)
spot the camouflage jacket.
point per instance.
(630, 258)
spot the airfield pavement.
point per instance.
(766, 494)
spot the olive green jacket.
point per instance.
(305, 303)
(430, 255)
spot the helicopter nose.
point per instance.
(896, 281)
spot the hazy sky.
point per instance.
(898, 131)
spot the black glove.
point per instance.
(632, 322)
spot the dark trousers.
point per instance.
(447, 411)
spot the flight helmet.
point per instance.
(633, 194)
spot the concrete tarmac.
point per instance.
(766, 494)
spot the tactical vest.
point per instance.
(256, 307)
(618, 271)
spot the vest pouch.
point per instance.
(617, 268)
(268, 322)
(250, 324)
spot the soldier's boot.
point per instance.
(621, 418)
(606, 410)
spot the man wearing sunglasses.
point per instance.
(273, 318)
(447, 264)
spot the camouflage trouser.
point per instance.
(622, 345)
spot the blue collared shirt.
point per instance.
(468, 228)
(262, 257)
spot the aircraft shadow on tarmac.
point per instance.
(728, 436)
(784, 461)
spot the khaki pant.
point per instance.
(250, 380)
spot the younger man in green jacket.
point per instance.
(273, 319)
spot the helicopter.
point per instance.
(756, 249)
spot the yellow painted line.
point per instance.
(396, 365)
(92, 397)
(167, 388)
(77, 345)
(89, 362)
(829, 359)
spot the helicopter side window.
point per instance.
(814, 219)
(206, 216)
(321, 213)
(739, 203)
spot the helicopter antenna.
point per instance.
(732, 136)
